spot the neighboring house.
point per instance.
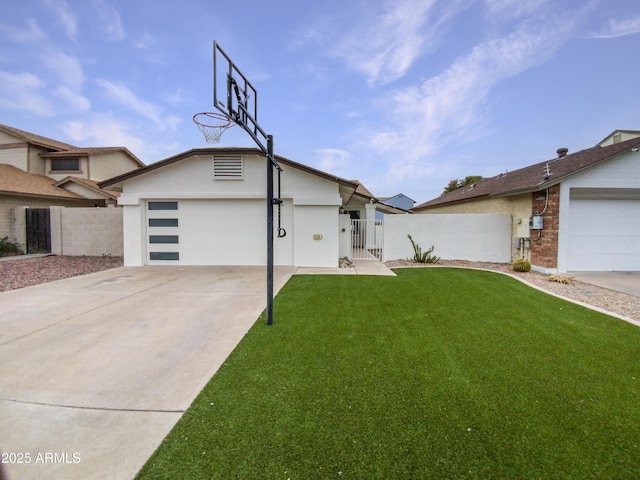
(207, 207)
(399, 201)
(576, 212)
(38, 172)
(64, 167)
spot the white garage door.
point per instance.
(211, 232)
(604, 235)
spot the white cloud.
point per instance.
(384, 47)
(104, 130)
(332, 160)
(65, 16)
(67, 68)
(449, 106)
(111, 22)
(145, 41)
(73, 101)
(24, 92)
(619, 28)
(122, 95)
(509, 10)
(31, 34)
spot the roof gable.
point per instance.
(35, 139)
(90, 186)
(534, 177)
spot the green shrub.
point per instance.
(8, 248)
(521, 265)
(420, 256)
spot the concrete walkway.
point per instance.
(97, 369)
(361, 267)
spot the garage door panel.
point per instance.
(604, 235)
(217, 232)
(222, 232)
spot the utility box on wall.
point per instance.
(536, 222)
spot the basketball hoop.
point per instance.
(212, 125)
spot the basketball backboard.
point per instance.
(233, 94)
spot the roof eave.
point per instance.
(211, 151)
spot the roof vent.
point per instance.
(562, 152)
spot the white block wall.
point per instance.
(473, 237)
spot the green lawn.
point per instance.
(438, 373)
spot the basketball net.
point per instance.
(212, 125)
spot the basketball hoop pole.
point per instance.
(240, 105)
(270, 203)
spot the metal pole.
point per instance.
(270, 163)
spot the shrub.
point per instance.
(420, 256)
(521, 265)
(8, 248)
(560, 279)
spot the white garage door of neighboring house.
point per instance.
(604, 235)
(206, 232)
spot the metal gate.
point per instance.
(366, 239)
(38, 230)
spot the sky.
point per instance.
(402, 95)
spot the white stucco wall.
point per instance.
(316, 236)
(617, 179)
(226, 219)
(474, 237)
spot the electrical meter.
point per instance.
(536, 222)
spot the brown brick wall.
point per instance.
(544, 250)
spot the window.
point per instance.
(163, 222)
(163, 206)
(164, 256)
(65, 164)
(163, 238)
(227, 167)
(617, 138)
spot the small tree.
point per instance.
(457, 183)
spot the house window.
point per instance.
(162, 206)
(164, 256)
(65, 164)
(163, 222)
(617, 138)
(227, 167)
(163, 238)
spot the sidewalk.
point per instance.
(361, 267)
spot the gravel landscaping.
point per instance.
(25, 272)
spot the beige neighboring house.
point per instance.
(575, 212)
(38, 172)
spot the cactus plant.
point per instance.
(521, 265)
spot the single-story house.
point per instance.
(207, 207)
(575, 212)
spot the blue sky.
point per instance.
(403, 95)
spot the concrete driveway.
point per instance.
(626, 282)
(97, 369)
